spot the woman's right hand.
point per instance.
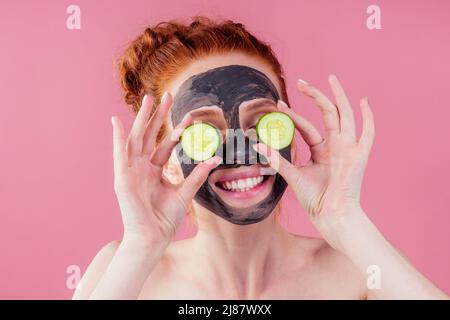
(152, 208)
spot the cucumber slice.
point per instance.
(276, 129)
(200, 141)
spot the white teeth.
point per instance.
(241, 185)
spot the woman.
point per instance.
(221, 74)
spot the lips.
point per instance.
(241, 185)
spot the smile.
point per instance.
(241, 185)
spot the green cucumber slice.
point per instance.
(200, 141)
(275, 129)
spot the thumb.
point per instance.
(278, 163)
(197, 177)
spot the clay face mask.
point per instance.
(228, 87)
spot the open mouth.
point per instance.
(244, 183)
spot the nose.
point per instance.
(238, 149)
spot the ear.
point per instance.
(172, 169)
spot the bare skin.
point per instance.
(257, 261)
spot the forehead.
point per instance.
(211, 61)
(226, 87)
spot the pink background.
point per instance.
(59, 89)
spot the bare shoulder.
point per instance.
(95, 270)
(172, 276)
(330, 267)
(318, 251)
(163, 271)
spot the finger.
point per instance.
(162, 154)
(368, 126)
(197, 177)
(155, 123)
(134, 141)
(347, 119)
(308, 131)
(329, 110)
(119, 146)
(287, 170)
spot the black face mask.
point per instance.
(228, 87)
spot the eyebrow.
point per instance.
(258, 104)
(205, 111)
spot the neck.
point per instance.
(239, 258)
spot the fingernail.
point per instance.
(144, 100)
(164, 97)
(284, 104)
(259, 148)
(214, 160)
(186, 119)
(301, 81)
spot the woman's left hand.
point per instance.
(328, 186)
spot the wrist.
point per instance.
(343, 226)
(143, 243)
